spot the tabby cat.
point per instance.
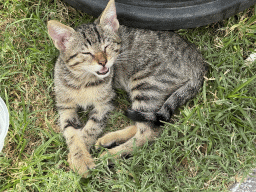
(158, 69)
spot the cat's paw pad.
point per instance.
(81, 163)
(107, 141)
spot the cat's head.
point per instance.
(90, 48)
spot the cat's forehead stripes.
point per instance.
(97, 33)
(87, 40)
(91, 34)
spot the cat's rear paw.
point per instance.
(81, 163)
(107, 141)
(113, 139)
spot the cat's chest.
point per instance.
(88, 95)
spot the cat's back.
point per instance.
(162, 53)
(164, 44)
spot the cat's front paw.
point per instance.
(81, 163)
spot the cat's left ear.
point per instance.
(108, 17)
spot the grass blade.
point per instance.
(241, 86)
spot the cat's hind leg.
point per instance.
(147, 96)
(117, 137)
(144, 133)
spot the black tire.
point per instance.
(166, 14)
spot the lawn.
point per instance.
(207, 146)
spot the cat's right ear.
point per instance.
(60, 34)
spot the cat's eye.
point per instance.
(88, 53)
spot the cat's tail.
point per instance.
(152, 117)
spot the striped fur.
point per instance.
(158, 69)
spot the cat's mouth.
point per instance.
(103, 71)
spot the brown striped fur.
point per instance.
(158, 69)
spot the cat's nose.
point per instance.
(103, 62)
(101, 58)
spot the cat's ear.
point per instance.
(108, 17)
(60, 34)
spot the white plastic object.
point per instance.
(4, 122)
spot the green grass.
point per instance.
(209, 144)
